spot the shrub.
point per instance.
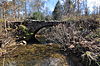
(38, 16)
(23, 32)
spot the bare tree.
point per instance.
(38, 5)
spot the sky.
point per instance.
(51, 4)
(91, 3)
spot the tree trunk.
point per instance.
(14, 9)
(78, 6)
(25, 9)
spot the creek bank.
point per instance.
(36, 52)
(39, 53)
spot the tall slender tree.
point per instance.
(57, 11)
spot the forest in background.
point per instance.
(15, 10)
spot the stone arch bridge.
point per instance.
(34, 25)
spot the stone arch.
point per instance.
(33, 38)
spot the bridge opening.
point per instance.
(39, 35)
